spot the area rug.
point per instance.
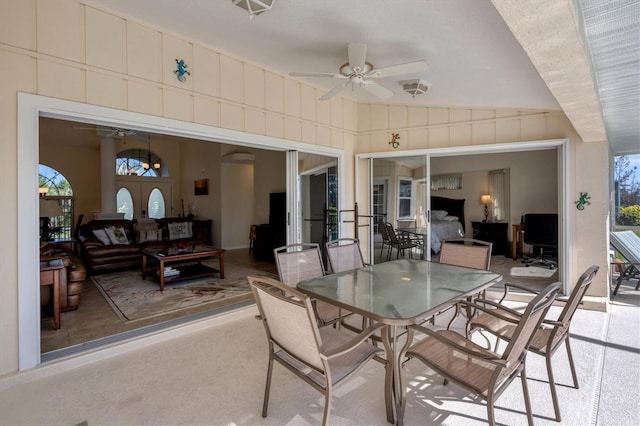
(532, 271)
(135, 299)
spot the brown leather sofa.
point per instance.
(99, 257)
(71, 281)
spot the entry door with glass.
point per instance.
(142, 198)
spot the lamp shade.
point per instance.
(50, 208)
(485, 199)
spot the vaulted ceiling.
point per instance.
(526, 54)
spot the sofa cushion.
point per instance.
(147, 232)
(112, 251)
(101, 234)
(117, 235)
(180, 230)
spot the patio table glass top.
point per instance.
(402, 291)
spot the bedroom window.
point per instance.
(404, 198)
(498, 189)
(446, 182)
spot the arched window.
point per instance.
(124, 203)
(156, 204)
(138, 162)
(56, 204)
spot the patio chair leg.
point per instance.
(573, 368)
(490, 413)
(552, 385)
(327, 405)
(615, 291)
(267, 388)
(525, 391)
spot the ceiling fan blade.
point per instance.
(331, 93)
(377, 89)
(357, 55)
(408, 68)
(316, 74)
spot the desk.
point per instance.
(517, 234)
(398, 293)
(50, 275)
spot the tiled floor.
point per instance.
(95, 319)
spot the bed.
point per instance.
(447, 220)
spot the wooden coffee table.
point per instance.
(187, 261)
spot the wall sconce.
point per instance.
(485, 199)
(394, 140)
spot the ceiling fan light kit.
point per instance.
(254, 7)
(415, 87)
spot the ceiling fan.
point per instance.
(362, 73)
(112, 132)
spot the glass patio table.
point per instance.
(398, 293)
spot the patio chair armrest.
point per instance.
(518, 286)
(358, 339)
(493, 312)
(488, 356)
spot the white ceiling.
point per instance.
(474, 59)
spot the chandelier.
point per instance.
(147, 164)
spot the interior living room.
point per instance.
(439, 80)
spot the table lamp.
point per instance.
(485, 199)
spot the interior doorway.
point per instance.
(32, 108)
(318, 206)
(543, 162)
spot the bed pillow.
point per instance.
(101, 234)
(117, 235)
(451, 218)
(179, 230)
(438, 214)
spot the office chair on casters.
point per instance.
(541, 232)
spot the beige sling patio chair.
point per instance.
(548, 338)
(478, 370)
(324, 358)
(299, 262)
(344, 255)
(467, 252)
(627, 243)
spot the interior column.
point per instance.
(107, 175)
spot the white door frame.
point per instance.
(564, 201)
(30, 108)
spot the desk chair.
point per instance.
(541, 232)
